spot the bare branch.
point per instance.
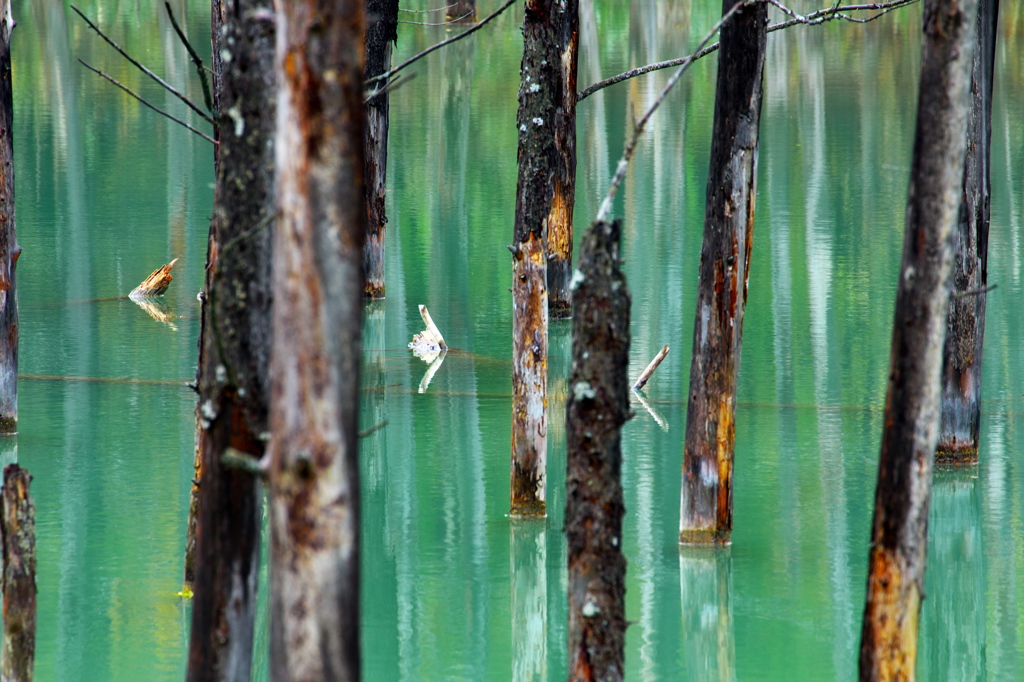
(421, 55)
(157, 110)
(627, 154)
(167, 86)
(427, 11)
(388, 87)
(442, 23)
(814, 18)
(195, 58)
(646, 374)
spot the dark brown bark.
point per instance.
(706, 506)
(235, 348)
(9, 249)
(539, 97)
(461, 12)
(381, 32)
(564, 198)
(318, 283)
(18, 529)
(598, 406)
(965, 329)
(899, 537)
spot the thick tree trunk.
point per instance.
(564, 198)
(233, 380)
(899, 534)
(9, 249)
(18, 530)
(318, 282)
(539, 97)
(706, 504)
(965, 330)
(381, 32)
(598, 406)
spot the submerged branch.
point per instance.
(627, 154)
(207, 98)
(154, 108)
(167, 86)
(814, 18)
(646, 374)
(438, 46)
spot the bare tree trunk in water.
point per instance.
(706, 504)
(899, 533)
(9, 249)
(318, 284)
(539, 97)
(597, 408)
(461, 12)
(18, 532)
(381, 32)
(233, 381)
(965, 330)
(564, 198)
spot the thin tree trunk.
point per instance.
(899, 532)
(706, 504)
(564, 198)
(598, 406)
(233, 382)
(18, 530)
(539, 97)
(965, 331)
(9, 249)
(381, 32)
(318, 282)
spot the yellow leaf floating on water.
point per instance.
(185, 593)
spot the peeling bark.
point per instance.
(598, 406)
(381, 32)
(564, 198)
(18, 530)
(235, 347)
(965, 330)
(9, 249)
(539, 97)
(706, 500)
(318, 283)
(899, 535)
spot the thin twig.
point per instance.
(372, 429)
(438, 46)
(195, 58)
(446, 22)
(154, 108)
(390, 86)
(627, 154)
(975, 292)
(426, 11)
(167, 86)
(646, 374)
(812, 19)
(233, 458)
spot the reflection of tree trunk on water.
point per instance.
(965, 332)
(461, 12)
(953, 618)
(381, 32)
(235, 349)
(528, 572)
(318, 307)
(9, 249)
(899, 539)
(705, 588)
(706, 501)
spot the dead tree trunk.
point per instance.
(9, 249)
(318, 282)
(965, 330)
(598, 406)
(233, 380)
(564, 199)
(899, 536)
(706, 505)
(18, 529)
(381, 32)
(539, 97)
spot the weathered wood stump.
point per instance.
(156, 284)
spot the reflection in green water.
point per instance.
(452, 588)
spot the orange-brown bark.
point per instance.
(157, 283)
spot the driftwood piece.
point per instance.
(428, 344)
(156, 284)
(645, 376)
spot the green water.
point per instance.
(453, 590)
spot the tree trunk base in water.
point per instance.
(705, 536)
(952, 455)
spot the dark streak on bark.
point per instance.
(598, 406)
(18, 532)
(9, 249)
(724, 272)
(965, 331)
(896, 564)
(381, 32)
